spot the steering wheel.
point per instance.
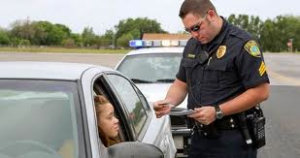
(32, 143)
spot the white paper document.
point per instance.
(180, 111)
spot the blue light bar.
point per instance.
(136, 43)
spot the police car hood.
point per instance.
(157, 91)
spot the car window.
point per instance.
(135, 106)
(39, 118)
(155, 67)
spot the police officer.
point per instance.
(224, 74)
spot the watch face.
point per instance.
(219, 113)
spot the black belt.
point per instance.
(227, 123)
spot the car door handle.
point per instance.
(166, 141)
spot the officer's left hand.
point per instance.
(205, 115)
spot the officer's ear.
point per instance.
(211, 15)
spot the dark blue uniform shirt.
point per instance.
(222, 69)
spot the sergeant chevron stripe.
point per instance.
(262, 68)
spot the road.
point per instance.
(281, 109)
(109, 60)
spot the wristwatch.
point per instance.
(219, 114)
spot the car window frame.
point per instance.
(101, 83)
(139, 94)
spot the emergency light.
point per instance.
(157, 43)
(136, 43)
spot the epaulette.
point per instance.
(240, 34)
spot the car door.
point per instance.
(93, 83)
(141, 118)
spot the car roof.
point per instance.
(157, 50)
(45, 70)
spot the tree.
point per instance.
(77, 39)
(69, 43)
(251, 24)
(123, 41)
(276, 33)
(40, 32)
(47, 33)
(4, 38)
(141, 25)
(88, 36)
(108, 39)
(64, 29)
(23, 30)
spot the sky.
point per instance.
(103, 15)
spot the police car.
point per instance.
(47, 111)
(153, 67)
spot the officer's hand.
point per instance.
(205, 115)
(162, 107)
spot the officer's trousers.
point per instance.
(229, 144)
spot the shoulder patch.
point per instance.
(252, 48)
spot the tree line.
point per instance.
(274, 35)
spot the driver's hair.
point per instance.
(99, 101)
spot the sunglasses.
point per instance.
(195, 27)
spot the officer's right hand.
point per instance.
(162, 107)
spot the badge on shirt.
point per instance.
(262, 68)
(221, 51)
(252, 48)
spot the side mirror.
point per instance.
(134, 150)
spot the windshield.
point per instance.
(38, 119)
(151, 68)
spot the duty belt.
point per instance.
(212, 130)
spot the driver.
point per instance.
(108, 127)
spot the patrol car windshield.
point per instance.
(151, 68)
(38, 119)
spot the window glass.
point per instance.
(135, 107)
(38, 118)
(158, 67)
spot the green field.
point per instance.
(63, 50)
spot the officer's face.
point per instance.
(198, 27)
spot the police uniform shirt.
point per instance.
(222, 69)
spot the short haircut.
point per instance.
(196, 7)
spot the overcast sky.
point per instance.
(104, 14)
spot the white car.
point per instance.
(153, 70)
(47, 111)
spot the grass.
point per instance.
(63, 50)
